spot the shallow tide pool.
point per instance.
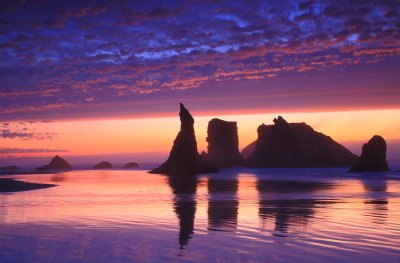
(239, 215)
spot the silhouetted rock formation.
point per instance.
(296, 145)
(373, 157)
(131, 165)
(9, 168)
(103, 165)
(223, 143)
(249, 149)
(184, 158)
(57, 163)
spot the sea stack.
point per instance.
(184, 158)
(286, 144)
(223, 144)
(103, 165)
(373, 157)
(131, 165)
(57, 163)
(248, 149)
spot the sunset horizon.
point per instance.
(199, 131)
(332, 123)
(61, 71)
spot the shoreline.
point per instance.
(9, 185)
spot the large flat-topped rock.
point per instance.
(286, 144)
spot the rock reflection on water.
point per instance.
(131, 216)
(223, 204)
(58, 177)
(376, 203)
(184, 189)
(288, 212)
(222, 212)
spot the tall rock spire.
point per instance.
(184, 158)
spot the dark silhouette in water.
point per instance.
(223, 204)
(184, 158)
(223, 144)
(288, 212)
(296, 145)
(373, 156)
(12, 185)
(103, 165)
(131, 165)
(57, 163)
(184, 189)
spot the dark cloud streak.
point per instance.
(30, 130)
(23, 150)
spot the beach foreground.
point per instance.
(274, 215)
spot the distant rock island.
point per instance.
(184, 158)
(131, 165)
(223, 144)
(373, 156)
(57, 163)
(286, 144)
(103, 165)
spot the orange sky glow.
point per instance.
(147, 135)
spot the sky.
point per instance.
(106, 77)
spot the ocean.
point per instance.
(238, 215)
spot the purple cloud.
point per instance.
(29, 130)
(58, 59)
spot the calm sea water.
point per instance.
(239, 215)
